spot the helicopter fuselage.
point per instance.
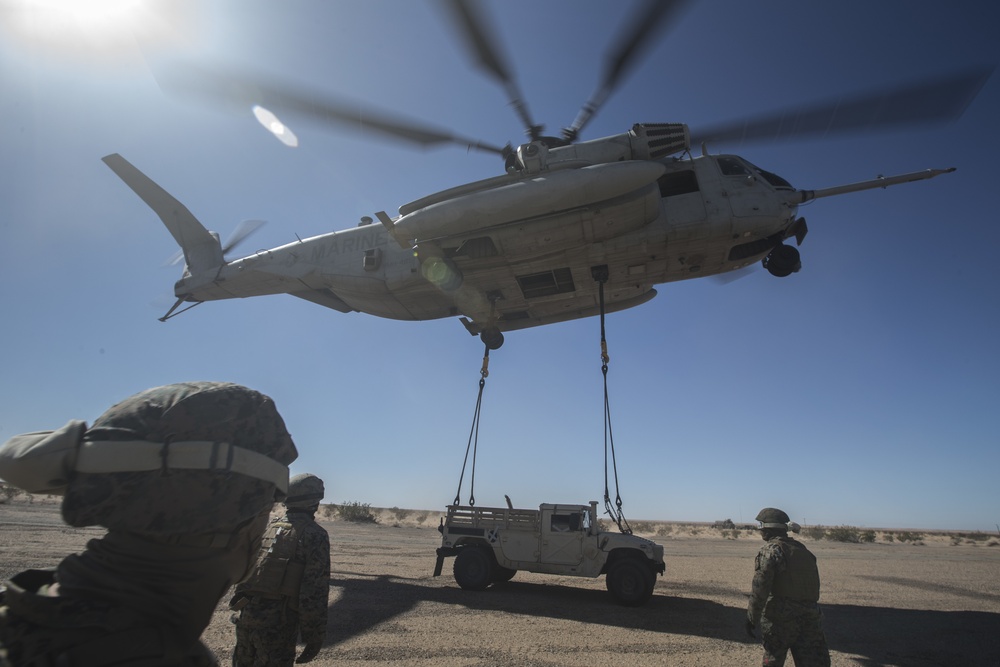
(536, 269)
(524, 249)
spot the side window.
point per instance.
(560, 523)
(678, 183)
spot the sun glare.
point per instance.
(79, 27)
(275, 126)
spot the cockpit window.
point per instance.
(730, 166)
(775, 180)
(772, 178)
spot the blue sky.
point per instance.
(862, 390)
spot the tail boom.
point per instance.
(202, 250)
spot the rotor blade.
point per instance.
(471, 27)
(235, 89)
(921, 102)
(174, 259)
(241, 233)
(650, 20)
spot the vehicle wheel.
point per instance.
(473, 568)
(630, 582)
(502, 574)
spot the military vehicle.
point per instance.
(490, 544)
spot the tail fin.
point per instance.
(202, 250)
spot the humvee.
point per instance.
(490, 544)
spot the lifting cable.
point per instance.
(600, 274)
(474, 436)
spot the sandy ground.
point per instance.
(884, 604)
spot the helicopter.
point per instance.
(570, 229)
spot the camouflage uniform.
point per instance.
(783, 603)
(270, 620)
(183, 477)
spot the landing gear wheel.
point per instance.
(473, 569)
(492, 337)
(783, 261)
(630, 582)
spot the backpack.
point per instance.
(276, 573)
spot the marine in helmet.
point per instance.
(285, 595)
(784, 596)
(183, 477)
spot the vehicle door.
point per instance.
(562, 536)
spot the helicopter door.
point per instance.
(749, 198)
(683, 203)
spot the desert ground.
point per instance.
(933, 602)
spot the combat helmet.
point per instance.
(771, 517)
(305, 491)
(194, 457)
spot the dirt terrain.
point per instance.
(936, 603)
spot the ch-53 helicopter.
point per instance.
(537, 244)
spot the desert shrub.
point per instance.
(814, 532)
(356, 512)
(993, 543)
(868, 536)
(642, 527)
(664, 530)
(889, 537)
(327, 511)
(907, 536)
(399, 514)
(843, 534)
(421, 517)
(724, 525)
(974, 537)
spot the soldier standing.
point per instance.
(784, 597)
(183, 477)
(286, 593)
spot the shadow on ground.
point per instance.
(877, 636)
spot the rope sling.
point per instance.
(473, 443)
(616, 512)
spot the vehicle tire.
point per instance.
(473, 568)
(630, 581)
(502, 574)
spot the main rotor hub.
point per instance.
(530, 158)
